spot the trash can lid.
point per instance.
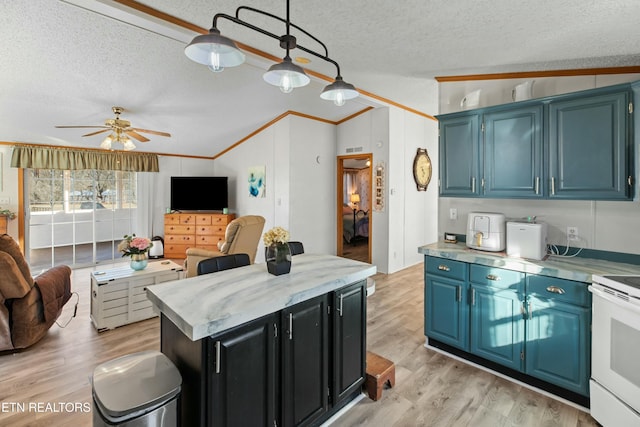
(134, 384)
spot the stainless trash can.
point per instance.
(139, 389)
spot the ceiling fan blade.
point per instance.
(154, 132)
(137, 136)
(101, 127)
(97, 132)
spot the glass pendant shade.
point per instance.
(128, 145)
(339, 92)
(286, 75)
(215, 51)
(106, 143)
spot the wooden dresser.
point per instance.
(3, 224)
(193, 230)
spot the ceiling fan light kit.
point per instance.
(121, 131)
(218, 52)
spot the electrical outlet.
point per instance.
(4, 201)
(453, 214)
(572, 233)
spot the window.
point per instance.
(77, 217)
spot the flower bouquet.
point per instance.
(137, 248)
(278, 254)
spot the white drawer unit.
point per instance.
(118, 295)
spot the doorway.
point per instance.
(354, 206)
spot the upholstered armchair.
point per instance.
(28, 306)
(241, 236)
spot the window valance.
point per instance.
(38, 157)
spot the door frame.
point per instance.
(340, 196)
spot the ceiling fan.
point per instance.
(120, 130)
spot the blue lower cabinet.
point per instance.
(559, 344)
(536, 325)
(446, 311)
(497, 329)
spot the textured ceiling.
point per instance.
(65, 65)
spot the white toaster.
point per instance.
(486, 231)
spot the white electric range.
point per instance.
(615, 350)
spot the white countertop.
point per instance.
(205, 305)
(571, 268)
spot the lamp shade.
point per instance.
(355, 198)
(214, 50)
(339, 92)
(286, 75)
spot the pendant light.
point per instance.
(218, 52)
(215, 51)
(339, 92)
(286, 75)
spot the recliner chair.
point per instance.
(28, 306)
(241, 236)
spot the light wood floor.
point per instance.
(431, 389)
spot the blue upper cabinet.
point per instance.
(513, 153)
(571, 146)
(460, 155)
(589, 141)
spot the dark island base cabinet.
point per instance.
(296, 367)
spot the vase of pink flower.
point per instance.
(138, 249)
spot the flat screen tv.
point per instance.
(199, 193)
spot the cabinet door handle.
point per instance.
(537, 185)
(473, 184)
(630, 180)
(340, 307)
(493, 277)
(473, 296)
(482, 185)
(555, 290)
(523, 311)
(553, 186)
(217, 357)
(458, 293)
(290, 326)
(530, 311)
(443, 267)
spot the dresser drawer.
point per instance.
(180, 239)
(447, 268)
(173, 219)
(217, 230)
(568, 291)
(205, 240)
(203, 219)
(176, 251)
(496, 277)
(187, 219)
(179, 229)
(222, 219)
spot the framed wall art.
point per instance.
(378, 187)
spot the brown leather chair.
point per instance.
(28, 306)
(241, 236)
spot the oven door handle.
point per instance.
(613, 300)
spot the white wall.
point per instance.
(313, 185)
(300, 191)
(609, 226)
(409, 218)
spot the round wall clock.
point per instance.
(422, 169)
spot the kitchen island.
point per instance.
(258, 349)
(529, 320)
